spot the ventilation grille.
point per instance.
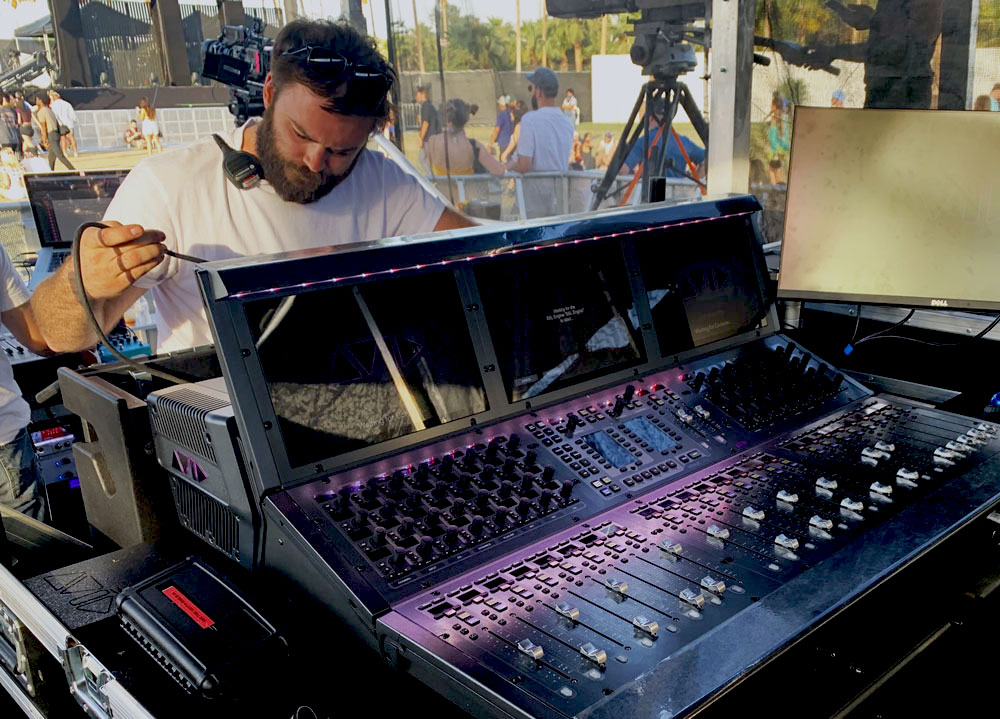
(161, 658)
(207, 517)
(181, 417)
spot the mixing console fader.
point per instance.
(572, 618)
(611, 492)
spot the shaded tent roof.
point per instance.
(26, 45)
(41, 26)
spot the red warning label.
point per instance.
(188, 607)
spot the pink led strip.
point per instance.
(496, 253)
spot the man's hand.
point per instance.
(114, 258)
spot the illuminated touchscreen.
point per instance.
(350, 367)
(559, 317)
(609, 449)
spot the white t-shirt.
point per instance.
(64, 112)
(547, 138)
(185, 194)
(14, 411)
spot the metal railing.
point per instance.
(543, 194)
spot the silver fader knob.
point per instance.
(753, 513)
(870, 461)
(945, 453)
(715, 586)
(598, 656)
(850, 504)
(702, 412)
(647, 625)
(690, 596)
(875, 453)
(825, 483)
(685, 417)
(789, 497)
(526, 646)
(670, 547)
(820, 523)
(718, 532)
(787, 542)
(885, 446)
(988, 429)
(958, 448)
(879, 488)
(909, 475)
(616, 585)
(571, 613)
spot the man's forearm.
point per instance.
(63, 321)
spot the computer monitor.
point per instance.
(895, 207)
(62, 201)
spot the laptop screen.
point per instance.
(61, 202)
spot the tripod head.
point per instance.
(659, 47)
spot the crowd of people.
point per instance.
(505, 145)
(42, 121)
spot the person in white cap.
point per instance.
(503, 130)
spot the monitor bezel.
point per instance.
(29, 178)
(227, 284)
(852, 298)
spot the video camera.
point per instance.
(240, 59)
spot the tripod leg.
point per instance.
(621, 152)
(693, 113)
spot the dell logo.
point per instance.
(188, 467)
(939, 303)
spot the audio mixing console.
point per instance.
(612, 491)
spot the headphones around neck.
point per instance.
(241, 168)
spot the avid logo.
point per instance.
(939, 303)
(188, 467)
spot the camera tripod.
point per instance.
(659, 100)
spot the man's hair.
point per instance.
(339, 37)
(997, 86)
(42, 97)
(569, 89)
(426, 89)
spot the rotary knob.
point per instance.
(548, 472)
(405, 527)
(399, 557)
(506, 487)
(458, 507)
(523, 506)
(379, 539)
(425, 547)
(566, 488)
(526, 482)
(433, 517)
(546, 498)
(500, 518)
(360, 519)
(513, 443)
(450, 535)
(530, 457)
(388, 509)
(482, 498)
(476, 525)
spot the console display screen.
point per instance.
(559, 317)
(350, 367)
(609, 449)
(702, 282)
(652, 434)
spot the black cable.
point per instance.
(81, 297)
(857, 325)
(852, 345)
(882, 334)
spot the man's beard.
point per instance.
(534, 102)
(292, 182)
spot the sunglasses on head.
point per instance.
(370, 81)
